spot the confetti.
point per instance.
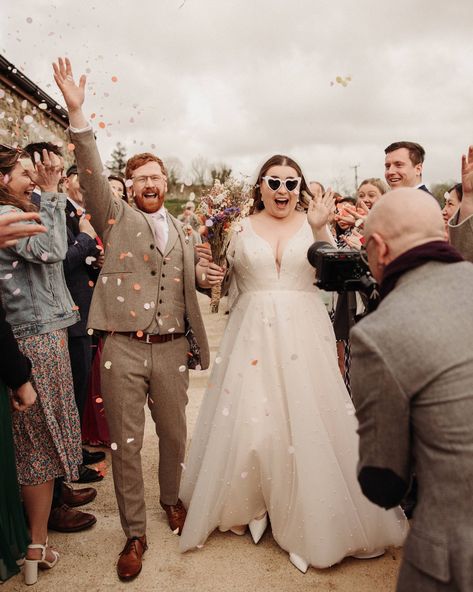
(71, 147)
(129, 183)
(145, 257)
(114, 79)
(113, 446)
(89, 260)
(93, 115)
(98, 400)
(119, 282)
(130, 440)
(29, 20)
(139, 333)
(90, 331)
(120, 299)
(14, 264)
(182, 368)
(183, 466)
(16, 292)
(28, 119)
(107, 365)
(75, 307)
(132, 313)
(104, 279)
(91, 284)
(244, 475)
(254, 362)
(146, 306)
(218, 360)
(43, 106)
(102, 125)
(171, 330)
(225, 411)
(112, 221)
(176, 531)
(8, 276)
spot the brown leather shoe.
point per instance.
(65, 519)
(130, 561)
(77, 497)
(176, 516)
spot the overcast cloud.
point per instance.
(235, 81)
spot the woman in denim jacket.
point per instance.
(39, 308)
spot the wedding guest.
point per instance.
(403, 165)
(411, 384)
(145, 301)
(39, 308)
(117, 183)
(188, 216)
(460, 227)
(453, 198)
(15, 372)
(370, 190)
(276, 438)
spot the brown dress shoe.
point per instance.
(77, 497)
(65, 519)
(176, 516)
(130, 561)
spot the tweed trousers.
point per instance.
(133, 374)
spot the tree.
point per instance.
(199, 170)
(174, 168)
(118, 160)
(220, 171)
(439, 189)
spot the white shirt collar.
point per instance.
(161, 213)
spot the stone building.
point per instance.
(27, 113)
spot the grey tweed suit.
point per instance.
(412, 383)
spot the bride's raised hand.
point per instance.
(72, 92)
(320, 208)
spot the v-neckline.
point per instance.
(268, 244)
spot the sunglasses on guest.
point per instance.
(274, 183)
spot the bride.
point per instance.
(276, 438)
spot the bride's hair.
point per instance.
(279, 160)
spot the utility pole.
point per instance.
(355, 167)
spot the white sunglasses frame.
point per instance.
(282, 182)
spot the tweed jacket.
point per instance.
(412, 385)
(129, 287)
(461, 236)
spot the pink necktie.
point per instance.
(159, 233)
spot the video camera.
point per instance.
(342, 271)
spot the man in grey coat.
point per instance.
(460, 226)
(412, 384)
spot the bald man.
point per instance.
(412, 384)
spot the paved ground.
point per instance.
(226, 563)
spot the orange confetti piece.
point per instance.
(112, 221)
(145, 257)
(254, 362)
(114, 79)
(139, 333)
(177, 280)
(71, 147)
(91, 283)
(102, 125)
(122, 256)
(99, 400)
(132, 313)
(88, 171)
(136, 287)
(93, 116)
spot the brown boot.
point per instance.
(176, 516)
(130, 560)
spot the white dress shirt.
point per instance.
(159, 220)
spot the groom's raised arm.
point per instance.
(99, 200)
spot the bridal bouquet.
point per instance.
(221, 209)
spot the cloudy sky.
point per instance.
(330, 83)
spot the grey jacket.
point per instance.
(32, 284)
(461, 236)
(412, 384)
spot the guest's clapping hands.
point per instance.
(320, 208)
(208, 273)
(353, 215)
(23, 397)
(12, 227)
(47, 171)
(354, 240)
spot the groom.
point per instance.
(144, 301)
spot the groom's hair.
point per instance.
(139, 160)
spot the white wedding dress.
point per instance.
(276, 431)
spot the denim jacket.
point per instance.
(32, 285)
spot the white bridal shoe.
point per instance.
(298, 562)
(257, 527)
(30, 568)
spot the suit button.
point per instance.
(151, 246)
(153, 272)
(159, 314)
(164, 262)
(164, 275)
(162, 287)
(160, 302)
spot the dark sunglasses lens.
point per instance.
(291, 184)
(274, 184)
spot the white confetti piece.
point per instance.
(130, 440)
(183, 466)
(90, 331)
(146, 305)
(16, 292)
(90, 260)
(8, 276)
(119, 281)
(28, 119)
(113, 446)
(104, 279)
(44, 257)
(176, 531)
(107, 365)
(146, 363)
(43, 106)
(129, 183)
(120, 299)
(218, 360)
(244, 475)
(198, 367)
(171, 330)
(225, 411)
(14, 264)
(182, 368)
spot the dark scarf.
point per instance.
(433, 251)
